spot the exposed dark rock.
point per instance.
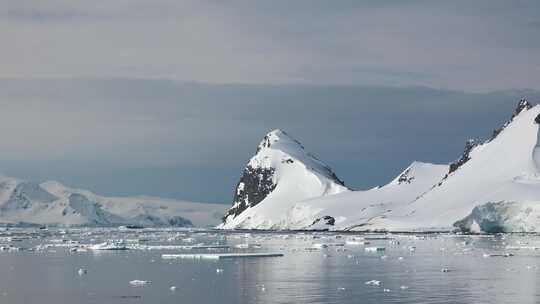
(465, 157)
(254, 185)
(523, 104)
(405, 178)
(328, 220)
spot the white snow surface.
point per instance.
(51, 203)
(503, 171)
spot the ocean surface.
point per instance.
(57, 266)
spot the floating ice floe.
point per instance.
(374, 249)
(320, 245)
(139, 282)
(373, 283)
(77, 249)
(109, 245)
(504, 255)
(219, 270)
(522, 247)
(356, 243)
(217, 256)
(82, 271)
(247, 246)
(180, 247)
(172, 288)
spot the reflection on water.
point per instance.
(411, 269)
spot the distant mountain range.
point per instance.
(494, 186)
(51, 203)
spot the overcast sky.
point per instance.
(170, 98)
(472, 45)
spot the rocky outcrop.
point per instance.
(523, 105)
(254, 185)
(465, 156)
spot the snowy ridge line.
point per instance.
(482, 192)
(28, 204)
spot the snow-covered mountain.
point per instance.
(51, 203)
(494, 186)
(280, 173)
(496, 189)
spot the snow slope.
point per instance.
(52, 203)
(280, 173)
(347, 209)
(493, 187)
(501, 170)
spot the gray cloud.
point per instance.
(479, 46)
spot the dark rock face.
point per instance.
(523, 105)
(327, 220)
(465, 157)
(254, 185)
(405, 178)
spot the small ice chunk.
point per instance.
(404, 287)
(139, 282)
(386, 290)
(219, 270)
(356, 243)
(320, 245)
(373, 283)
(445, 270)
(374, 249)
(172, 288)
(82, 271)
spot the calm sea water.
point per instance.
(439, 269)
